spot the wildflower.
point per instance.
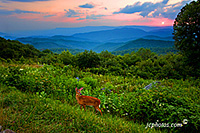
(77, 79)
(185, 121)
(103, 88)
(108, 110)
(126, 113)
(21, 69)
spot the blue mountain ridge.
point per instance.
(99, 38)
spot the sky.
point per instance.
(17, 15)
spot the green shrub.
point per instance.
(170, 102)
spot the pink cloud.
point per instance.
(123, 17)
(104, 12)
(151, 22)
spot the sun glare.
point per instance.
(163, 23)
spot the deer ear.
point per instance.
(81, 88)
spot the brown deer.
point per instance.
(87, 100)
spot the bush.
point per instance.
(172, 101)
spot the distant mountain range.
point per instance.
(152, 37)
(74, 30)
(110, 46)
(112, 35)
(145, 43)
(56, 31)
(97, 38)
(123, 34)
(58, 42)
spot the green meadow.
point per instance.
(41, 98)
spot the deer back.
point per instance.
(88, 100)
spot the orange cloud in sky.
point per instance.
(87, 12)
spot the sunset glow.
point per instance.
(49, 14)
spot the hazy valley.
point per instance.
(97, 38)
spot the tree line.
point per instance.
(143, 63)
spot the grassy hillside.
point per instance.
(145, 43)
(43, 99)
(26, 112)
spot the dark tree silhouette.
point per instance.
(187, 33)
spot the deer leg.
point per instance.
(97, 108)
(84, 107)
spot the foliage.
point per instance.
(25, 112)
(186, 32)
(88, 59)
(118, 81)
(170, 102)
(66, 57)
(72, 51)
(143, 63)
(45, 89)
(47, 51)
(15, 50)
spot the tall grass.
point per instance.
(26, 112)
